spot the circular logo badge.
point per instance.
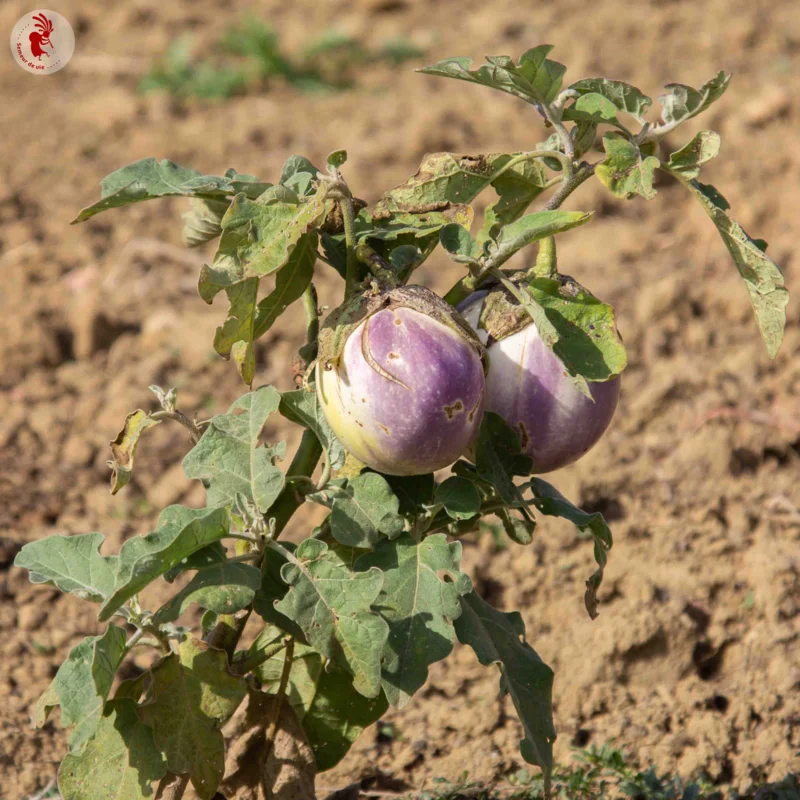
(42, 42)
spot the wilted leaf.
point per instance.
(499, 638)
(687, 161)
(180, 532)
(333, 607)
(303, 408)
(223, 588)
(203, 221)
(365, 509)
(459, 496)
(531, 228)
(622, 96)
(151, 178)
(230, 457)
(761, 275)
(552, 503)
(422, 583)
(625, 171)
(123, 448)
(82, 684)
(192, 694)
(292, 280)
(121, 760)
(71, 564)
(683, 102)
(333, 714)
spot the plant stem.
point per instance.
(276, 713)
(253, 555)
(349, 218)
(304, 462)
(177, 416)
(585, 171)
(311, 310)
(251, 662)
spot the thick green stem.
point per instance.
(349, 218)
(546, 262)
(304, 463)
(311, 310)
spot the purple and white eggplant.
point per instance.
(529, 387)
(401, 380)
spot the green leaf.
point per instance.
(82, 684)
(303, 408)
(236, 335)
(180, 532)
(333, 714)
(687, 161)
(683, 102)
(550, 502)
(292, 280)
(588, 341)
(230, 457)
(625, 172)
(499, 638)
(414, 492)
(223, 588)
(531, 228)
(592, 107)
(457, 241)
(337, 158)
(420, 600)
(517, 187)
(364, 509)
(299, 174)
(150, 178)
(258, 238)
(518, 530)
(498, 457)
(123, 447)
(333, 607)
(622, 96)
(121, 760)
(192, 695)
(71, 564)
(535, 78)
(459, 496)
(203, 221)
(273, 588)
(761, 275)
(207, 556)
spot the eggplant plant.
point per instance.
(513, 373)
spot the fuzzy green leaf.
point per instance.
(150, 178)
(123, 447)
(333, 714)
(292, 280)
(622, 96)
(499, 638)
(531, 228)
(333, 607)
(550, 502)
(299, 173)
(413, 491)
(535, 78)
(337, 158)
(457, 241)
(683, 102)
(192, 695)
(588, 342)
(420, 600)
(687, 161)
(625, 171)
(303, 408)
(82, 684)
(222, 588)
(459, 497)
(230, 457)
(120, 762)
(236, 335)
(180, 532)
(273, 588)
(364, 509)
(71, 564)
(761, 275)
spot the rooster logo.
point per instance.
(40, 38)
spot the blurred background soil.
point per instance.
(694, 662)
